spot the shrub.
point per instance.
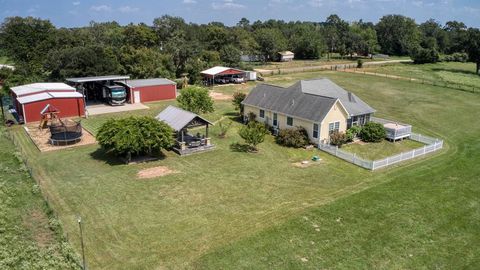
(253, 134)
(224, 126)
(455, 57)
(353, 132)
(251, 117)
(373, 132)
(360, 63)
(422, 56)
(134, 136)
(338, 138)
(238, 97)
(195, 99)
(294, 137)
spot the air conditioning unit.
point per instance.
(275, 131)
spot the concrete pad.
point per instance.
(104, 108)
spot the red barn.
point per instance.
(31, 99)
(148, 90)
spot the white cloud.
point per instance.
(189, 1)
(101, 8)
(128, 9)
(76, 3)
(227, 5)
(315, 3)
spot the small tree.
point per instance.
(134, 136)
(338, 138)
(360, 63)
(293, 137)
(253, 134)
(195, 99)
(224, 126)
(238, 97)
(373, 132)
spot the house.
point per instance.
(29, 100)
(320, 106)
(286, 56)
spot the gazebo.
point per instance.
(181, 121)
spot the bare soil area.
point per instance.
(155, 172)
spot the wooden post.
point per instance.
(206, 131)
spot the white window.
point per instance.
(334, 126)
(275, 120)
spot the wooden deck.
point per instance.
(193, 150)
(395, 130)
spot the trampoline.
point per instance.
(65, 133)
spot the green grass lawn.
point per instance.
(29, 237)
(232, 210)
(381, 150)
(444, 72)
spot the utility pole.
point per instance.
(84, 267)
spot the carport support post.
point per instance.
(206, 132)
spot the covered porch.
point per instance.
(190, 137)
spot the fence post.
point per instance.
(424, 149)
(336, 150)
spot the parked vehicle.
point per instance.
(115, 95)
(221, 80)
(237, 79)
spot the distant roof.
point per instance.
(286, 53)
(149, 82)
(33, 88)
(308, 99)
(98, 78)
(218, 70)
(325, 87)
(177, 118)
(48, 95)
(290, 101)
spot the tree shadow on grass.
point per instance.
(454, 70)
(112, 160)
(239, 147)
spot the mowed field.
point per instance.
(233, 210)
(444, 72)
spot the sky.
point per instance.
(74, 13)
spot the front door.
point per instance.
(136, 96)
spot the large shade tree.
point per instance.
(132, 136)
(397, 34)
(473, 47)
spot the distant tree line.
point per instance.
(171, 47)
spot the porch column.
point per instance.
(181, 135)
(206, 131)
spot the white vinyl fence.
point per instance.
(431, 146)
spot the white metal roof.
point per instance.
(285, 53)
(48, 95)
(217, 70)
(65, 94)
(33, 88)
(98, 78)
(34, 98)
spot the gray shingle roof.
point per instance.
(327, 88)
(308, 99)
(290, 101)
(149, 82)
(177, 118)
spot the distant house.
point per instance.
(286, 56)
(320, 106)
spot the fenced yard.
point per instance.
(431, 145)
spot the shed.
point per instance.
(286, 56)
(147, 90)
(70, 104)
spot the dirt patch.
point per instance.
(41, 138)
(155, 172)
(37, 222)
(305, 164)
(219, 96)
